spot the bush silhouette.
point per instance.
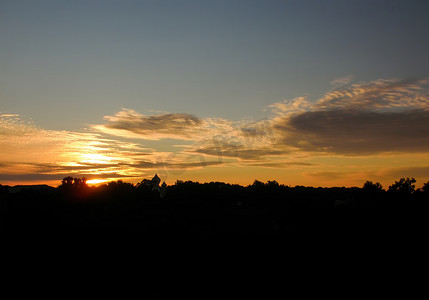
(369, 186)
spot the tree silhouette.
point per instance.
(425, 187)
(369, 186)
(273, 184)
(70, 184)
(67, 181)
(258, 184)
(80, 183)
(405, 186)
(265, 209)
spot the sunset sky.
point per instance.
(315, 93)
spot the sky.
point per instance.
(314, 93)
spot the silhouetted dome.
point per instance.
(156, 180)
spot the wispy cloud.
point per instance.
(422, 171)
(211, 136)
(341, 81)
(6, 115)
(326, 175)
(32, 153)
(366, 118)
(129, 123)
(282, 165)
(290, 106)
(160, 164)
(38, 153)
(222, 149)
(352, 119)
(57, 177)
(360, 119)
(29, 177)
(379, 94)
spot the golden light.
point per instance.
(95, 158)
(96, 181)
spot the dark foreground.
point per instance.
(214, 209)
(134, 240)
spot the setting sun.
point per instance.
(96, 181)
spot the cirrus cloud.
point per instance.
(380, 94)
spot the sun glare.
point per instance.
(94, 158)
(96, 181)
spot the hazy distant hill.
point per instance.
(39, 187)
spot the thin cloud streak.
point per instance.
(326, 175)
(57, 177)
(237, 151)
(422, 171)
(277, 165)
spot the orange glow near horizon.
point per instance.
(338, 140)
(96, 181)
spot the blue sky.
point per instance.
(69, 63)
(167, 78)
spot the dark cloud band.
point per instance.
(357, 132)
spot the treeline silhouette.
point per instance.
(207, 209)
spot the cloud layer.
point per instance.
(129, 123)
(357, 131)
(30, 153)
(352, 120)
(364, 119)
